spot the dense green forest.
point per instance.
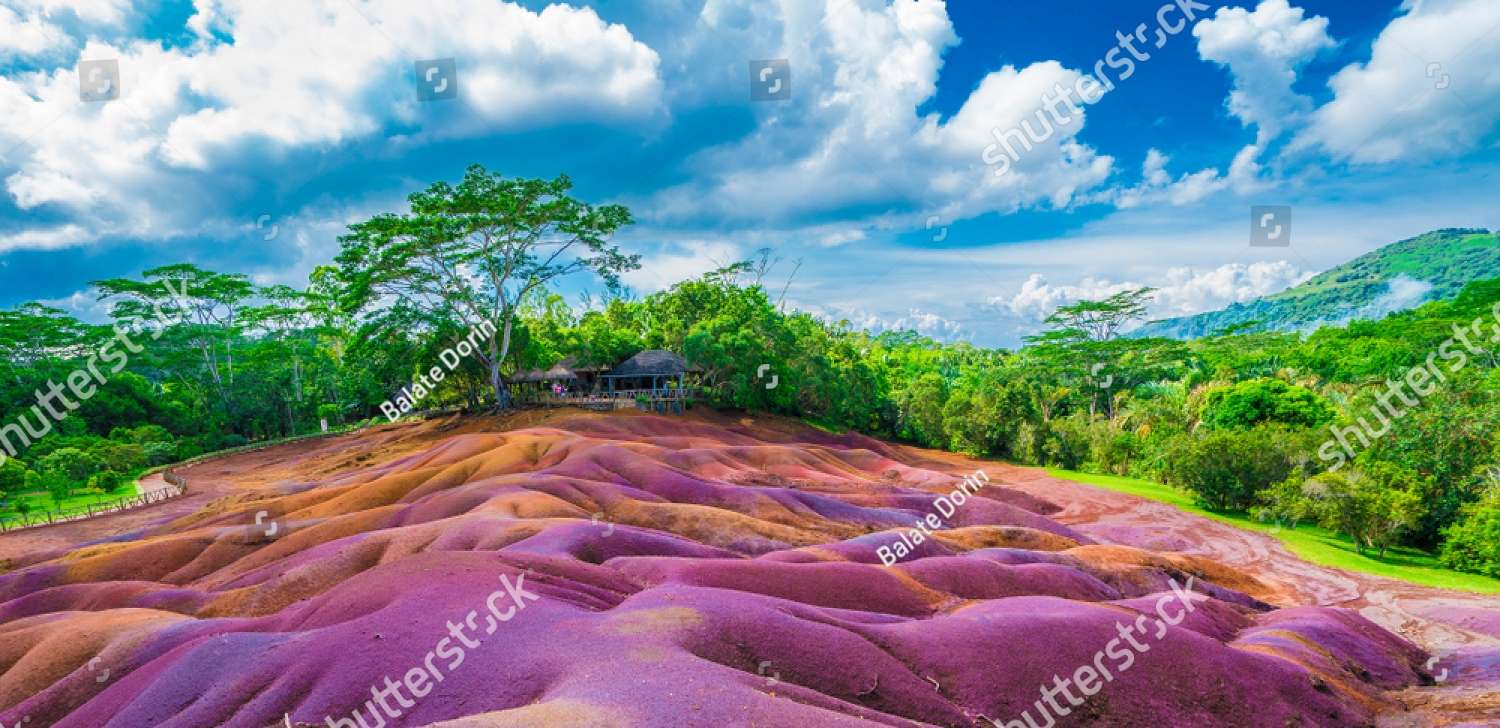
(1244, 420)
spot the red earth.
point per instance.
(696, 571)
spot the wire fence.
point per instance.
(177, 486)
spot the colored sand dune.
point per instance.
(685, 572)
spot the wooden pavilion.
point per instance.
(654, 379)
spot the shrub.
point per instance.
(1286, 502)
(922, 407)
(141, 435)
(1473, 543)
(1260, 401)
(1225, 469)
(159, 453)
(57, 486)
(70, 464)
(1067, 442)
(1372, 506)
(119, 456)
(1030, 439)
(330, 412)
(12, 477)
(982, 420)
(1112, 449)
(108, 481)
(1156, 444)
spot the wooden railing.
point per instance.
(168, 473)
(619, 399)
(98, 508)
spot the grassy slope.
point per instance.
(1447, 259)
(42, 502)
(1314, 544)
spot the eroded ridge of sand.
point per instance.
(698, 571)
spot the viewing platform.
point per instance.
(669, 400)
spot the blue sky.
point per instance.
(247, 134)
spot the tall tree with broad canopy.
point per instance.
(206, 307)
(474, 252)
(1084, 344)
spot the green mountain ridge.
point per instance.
(1434, 266)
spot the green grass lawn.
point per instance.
(1318, 545)
(41, 502)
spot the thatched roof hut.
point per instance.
(652, 368)
(565, 370)
(651, 363)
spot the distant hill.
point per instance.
(1429, 267)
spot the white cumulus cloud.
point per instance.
(851, 135)
(1263, 50)
(298, 79)
(1181, 291)
(1429, 90)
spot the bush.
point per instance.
(58, 487)
(1111, 449)
(1286, 502)
(71, 465)
(982, 420)
(1260, 401)
(108, 481)
(1372, 506)
(12, 477)
(119, 456)
(1067, 442)
(1225, 469)
(141, 435)
(1027, 447)
(330, 412)
(159, 453)
(1473, 543)
(1155, 445)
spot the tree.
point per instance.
(1225, 469)
(12, 478)
(32, 332)
(71, 464)
(199, 308)
(289, 321)
(474, 251)
(1372, 507)
(1286, 502)
(1473, 543)
(1255, 401)
(1084, 341)
(922, 406)
(1096, 321)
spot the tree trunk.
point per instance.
(498, 352)
(502, 390)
